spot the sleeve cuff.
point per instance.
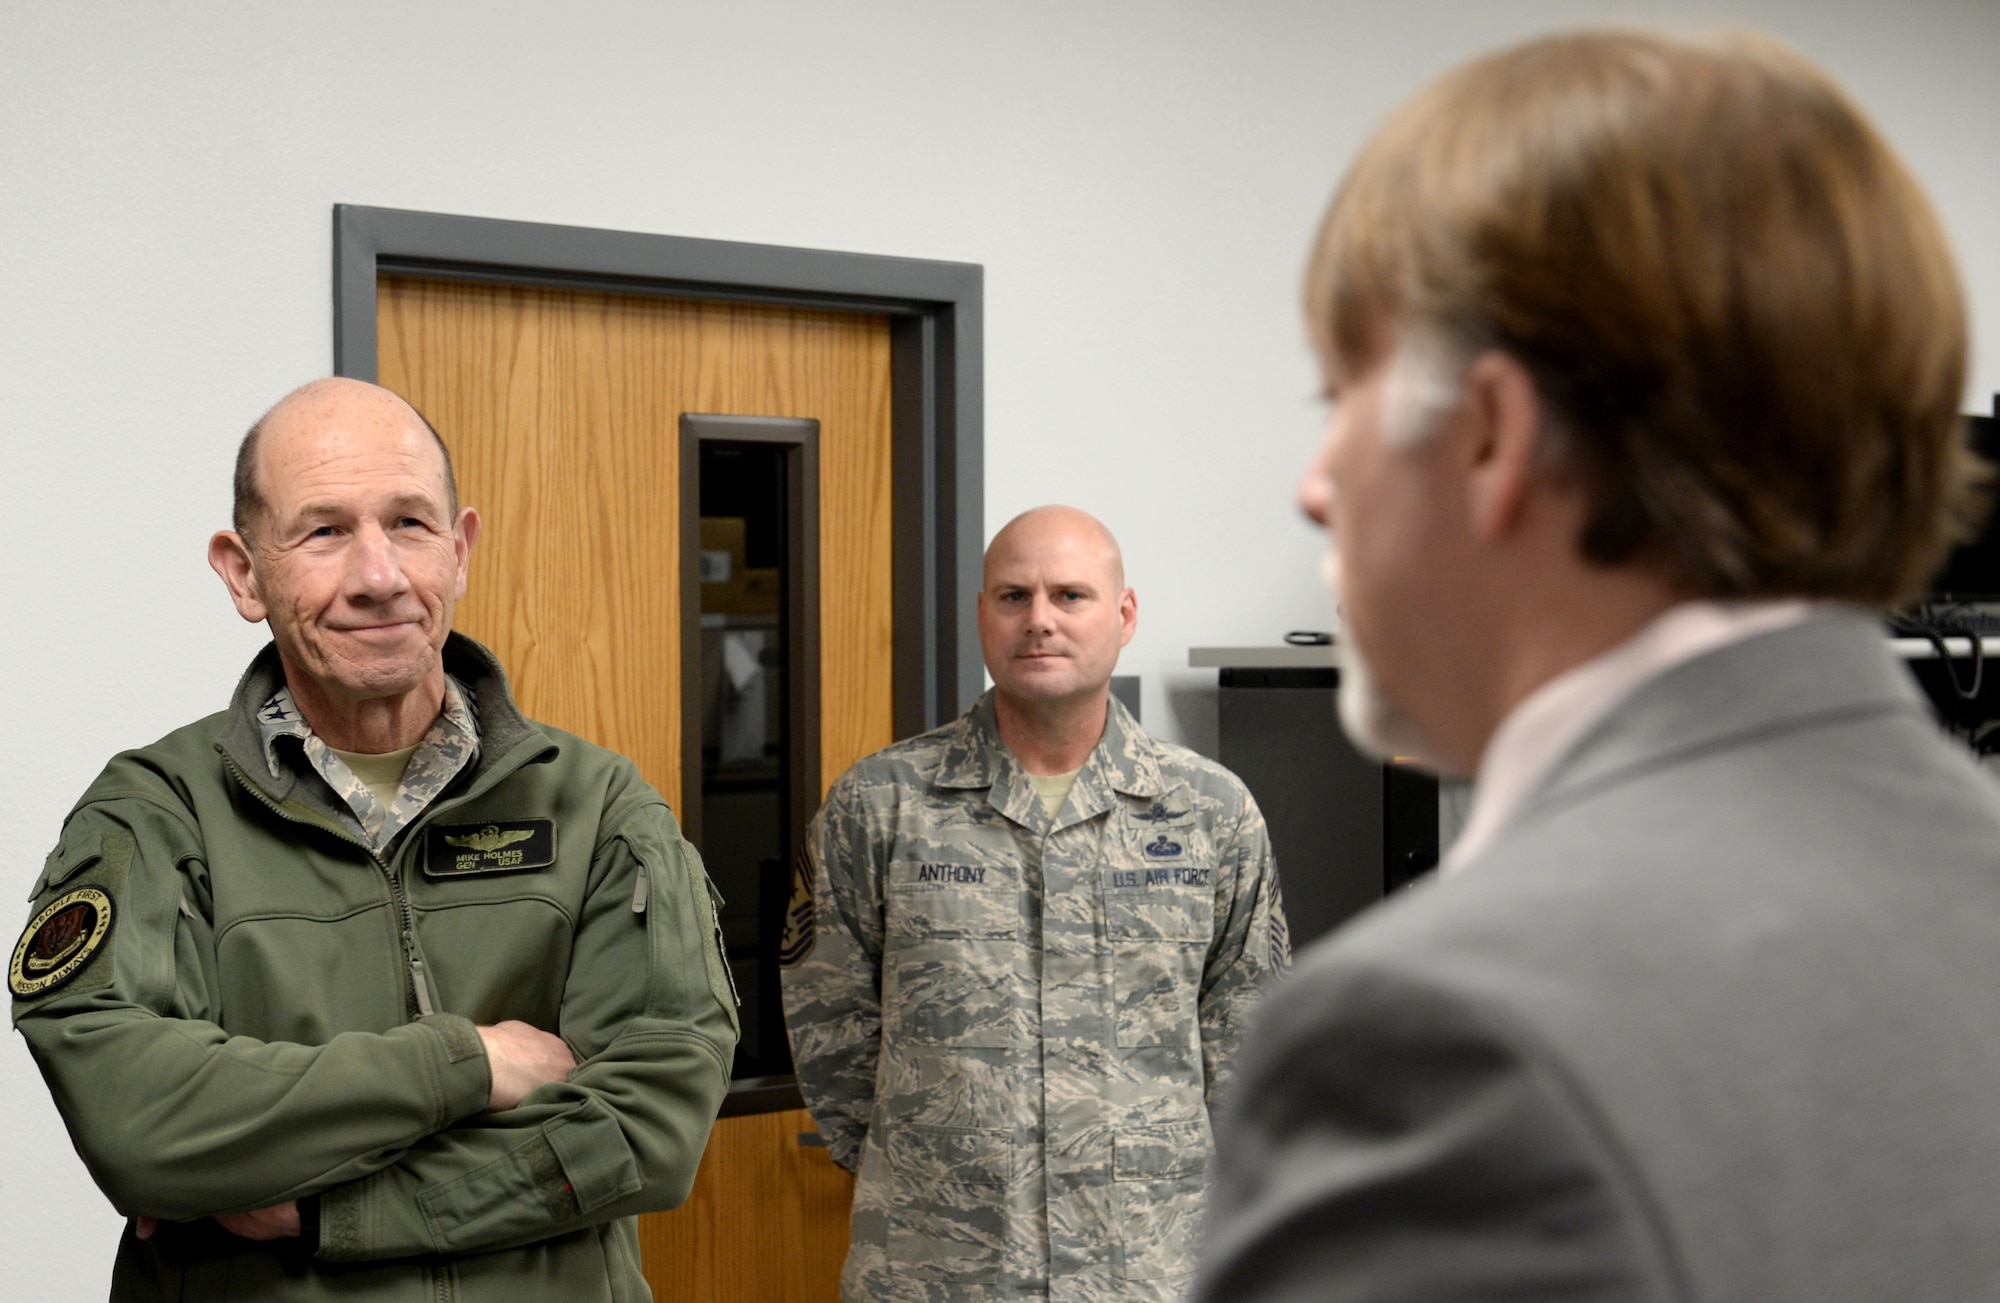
(341, 1231)
(846, 1152)
(345, 1215)
(467, 1077)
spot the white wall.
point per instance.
(1138, 177)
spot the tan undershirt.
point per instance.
(381, 774)
(1054, 788)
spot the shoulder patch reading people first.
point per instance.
(507, 846)
(60, 941)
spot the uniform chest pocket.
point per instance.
(1162, 913)
(950, 957)
(952, 909)
(1158, 939)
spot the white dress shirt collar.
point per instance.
(1537, 732)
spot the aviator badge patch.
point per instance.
(60, 941)
(506, 846)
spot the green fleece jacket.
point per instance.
(265, 1010)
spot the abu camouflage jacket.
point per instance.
(1012, 1027)
(236, 1003)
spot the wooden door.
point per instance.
(562, 411)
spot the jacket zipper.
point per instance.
(419, 981)
(420, 999)
(419, 1002)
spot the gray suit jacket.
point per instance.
(1719, 1018)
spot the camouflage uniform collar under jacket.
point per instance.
(447, 747)
(1124, 762)
(501, 730)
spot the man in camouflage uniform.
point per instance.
(1022, 950)
(368, 986)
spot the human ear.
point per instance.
(1504, 414)
(465, 537)
(229, 556)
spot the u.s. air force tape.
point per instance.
(60, 941)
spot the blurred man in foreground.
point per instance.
(1646, 356)
(1024, 948)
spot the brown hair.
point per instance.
(1736, 303)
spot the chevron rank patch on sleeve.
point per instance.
(800, 925)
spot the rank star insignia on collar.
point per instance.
(1159, 814)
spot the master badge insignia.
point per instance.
(490, 838)
(60, 941)
(1163, 848)
(800, 924)
(504, 846)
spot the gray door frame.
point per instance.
(937, 401)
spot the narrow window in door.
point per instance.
(751, 745)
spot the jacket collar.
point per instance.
(1125, 761)
(1829, 667)
(503, 729)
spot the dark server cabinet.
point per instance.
(1345, 829)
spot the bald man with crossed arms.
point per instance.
(369, 986)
